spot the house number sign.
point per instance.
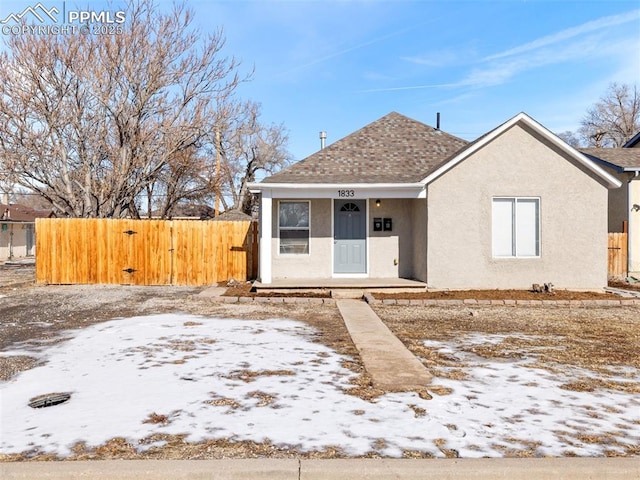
(346, 193)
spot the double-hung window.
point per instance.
(516, 227)
(293, 227)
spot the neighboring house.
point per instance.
(399, 198)
(634, 142)
(624, 203)
(17, 230)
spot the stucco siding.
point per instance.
(317, 264)
(391, 252)
(518, 163)
(618, 201)
(419, 224)
(634, 226)
(13, 241)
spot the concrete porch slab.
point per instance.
(339, 283)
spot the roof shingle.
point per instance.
(623, 158)
(393, 149)
(20, 213)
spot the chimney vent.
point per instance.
(438, 121)
(323, 138)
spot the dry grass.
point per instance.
(249, 376)
(498, 295)
(605, 340)
(155, 419)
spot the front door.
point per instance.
(350, 236)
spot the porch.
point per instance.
(391, 285)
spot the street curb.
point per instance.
(295, 469)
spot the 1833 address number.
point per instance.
(346, 193)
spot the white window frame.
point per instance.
(307, 228)
(514, 228)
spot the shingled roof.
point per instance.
(619, 158)
(20, 213)
(393, 149)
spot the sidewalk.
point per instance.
(391, 366)
(366, 469)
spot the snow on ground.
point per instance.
(267, 379)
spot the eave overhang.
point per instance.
(340, 190)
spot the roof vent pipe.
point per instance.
(323, 138)
(438, 121)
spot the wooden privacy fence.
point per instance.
(144, 252)
(617, 254)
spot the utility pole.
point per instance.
(216, 211)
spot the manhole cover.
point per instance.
(49, 400)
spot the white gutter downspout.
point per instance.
(631, 253)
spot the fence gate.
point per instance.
(144, 252)
(617, 254)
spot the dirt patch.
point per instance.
(625, 285)
(37, 316)
(12, 275)
(246, 289)
(497, 295)
(604, 340)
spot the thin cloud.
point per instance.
(409, 87)
(349, 49)
(499, 72)
(434, 59)
(586, 41)
(569, 33)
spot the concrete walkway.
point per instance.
(366, 469)
(386, 359)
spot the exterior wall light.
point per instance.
(378, 202)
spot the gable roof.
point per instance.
(393, 149)
(523, 119)
(620, 159)
(21, 213)
(633, 142)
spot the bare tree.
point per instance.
(248, 147)
(570, 138)
(187, 178)
(29, 199)
(92, 122)
(614, 119)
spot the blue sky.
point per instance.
(338, 65)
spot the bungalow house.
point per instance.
(400, 199)
(624, 203)
(17, 230)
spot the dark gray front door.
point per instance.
(350, 236)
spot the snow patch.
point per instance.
(268, 380)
